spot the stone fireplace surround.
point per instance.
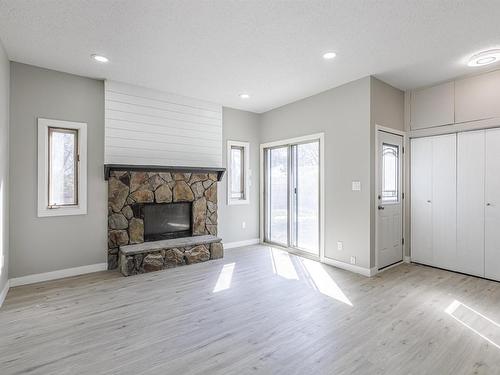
(127, 188)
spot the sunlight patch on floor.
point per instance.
(478, 323)
(322, 281)
(282, 264)
(225, 278)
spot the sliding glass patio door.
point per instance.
(291, 195)
(277, 195)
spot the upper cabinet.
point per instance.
(478, 97)
(433, 106)
(464, 100)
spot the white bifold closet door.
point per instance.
(421, 195)
(470, 202)
(433, 201)
(444, 200)
(455, 202)
(492, 208)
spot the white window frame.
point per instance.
(43, 169)
(246, 173)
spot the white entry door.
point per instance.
(390, 206)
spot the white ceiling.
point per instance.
(214, 50)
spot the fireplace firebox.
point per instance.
(165, 220)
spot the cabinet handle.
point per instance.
(429, 201)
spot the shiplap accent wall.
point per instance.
(150, 127)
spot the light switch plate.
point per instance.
(353, 260)
(356, 186)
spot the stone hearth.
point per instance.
(127, 188)
(159, 255)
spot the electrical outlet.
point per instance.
(243, 224)
(356, 186)
(340, 245)
(353, 260)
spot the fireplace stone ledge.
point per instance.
(147, 247)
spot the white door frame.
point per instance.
(385, 129)
(312, 137)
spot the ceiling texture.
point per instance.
(215, 50)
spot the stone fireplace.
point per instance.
(177, 205)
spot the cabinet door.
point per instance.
(444, 201)
(470, 202)
(492, 209)
(421, 197)
(433, 106)
(477, 97)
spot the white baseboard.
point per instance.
(373, 271)
(4, 292)
(230, 245)
(59, 274)
(350, 267)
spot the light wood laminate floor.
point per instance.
(280, 314)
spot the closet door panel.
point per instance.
(444, 187)
(421, 197)
(492, 209)
(470, 202)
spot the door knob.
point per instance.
(381, 207)
(488, 204)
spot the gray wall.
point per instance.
(47, 244)
(4, 168)
(343, 114)
(240, 126)
(387, 105)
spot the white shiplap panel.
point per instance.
(133, 135)
(149, 127)
(161, 105)
(206, 149)
(148, 112)
(144, 92)
(155, 131)
(159, 121)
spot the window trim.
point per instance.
(246, 173)
(43, 169)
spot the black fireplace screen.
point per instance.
(168, 220)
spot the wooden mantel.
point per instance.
(160, 168)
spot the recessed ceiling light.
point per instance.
(329, 55)
(485, 58)
(244, 96)
(100, 58)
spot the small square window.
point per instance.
(62, 168)
(238, 173)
